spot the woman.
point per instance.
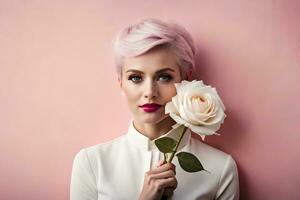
(151, 56)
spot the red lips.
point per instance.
(150, 107)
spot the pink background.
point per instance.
(59, 92)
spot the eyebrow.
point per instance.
(161, 70)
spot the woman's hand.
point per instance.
(159, 181)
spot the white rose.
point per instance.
(197, 106)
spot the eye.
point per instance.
(134, 78)
(165, 77)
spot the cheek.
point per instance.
(131, 95)
(169, 92)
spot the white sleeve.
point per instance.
(83, 181)
(229, 182)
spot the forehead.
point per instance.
(152, 61)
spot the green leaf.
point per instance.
(165, 144)
(189, 162)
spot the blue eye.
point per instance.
(134, 78)
(163, 77)
(166, 77)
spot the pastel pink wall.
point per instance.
(59, 93)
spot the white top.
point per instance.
(115, 170)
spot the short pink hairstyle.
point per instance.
(147, 34)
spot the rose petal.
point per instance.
(219, 118)
(204, 116)
(176, 103)
(218, 97)
(170, 108)
(177, 119)
(201, 130)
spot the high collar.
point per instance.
(144, 143)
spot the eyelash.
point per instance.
(137, 76)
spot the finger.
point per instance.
(167, 182)
(165, 174)
(164, 167)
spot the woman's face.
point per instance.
(150, 78)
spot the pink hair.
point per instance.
(149, 33)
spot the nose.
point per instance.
(150, 89)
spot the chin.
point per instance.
(153, 119)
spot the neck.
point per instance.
(153, 131)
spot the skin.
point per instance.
(149, 85)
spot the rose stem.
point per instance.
(176, 147)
